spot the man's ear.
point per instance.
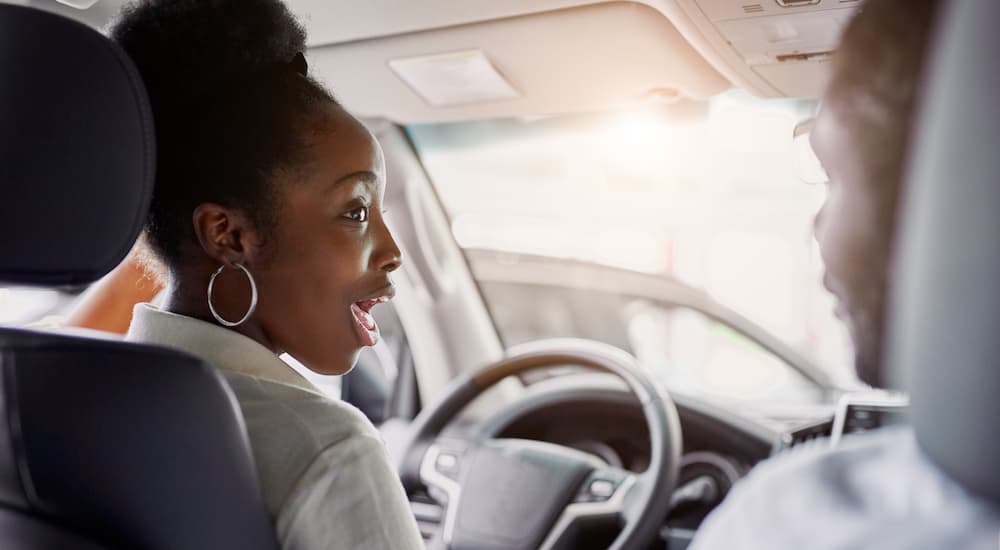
(225, 234)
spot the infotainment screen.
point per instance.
(863, 412)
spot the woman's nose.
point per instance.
(387, 257)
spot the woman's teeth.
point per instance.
(367, 305)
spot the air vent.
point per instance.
(796, 3)
(428, 514)
(804, 435)
(753, 8)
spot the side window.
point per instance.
(693, 353)
(686, 350)
(21, 306)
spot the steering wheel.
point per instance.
(514, 494)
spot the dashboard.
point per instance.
(614, 431)
(718, 448)
(601, 418)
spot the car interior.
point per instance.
(548, 377)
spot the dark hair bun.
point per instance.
(230, 99)
(188, 48)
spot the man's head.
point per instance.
(861, 139)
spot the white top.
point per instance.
(325, 473)
(874, 490)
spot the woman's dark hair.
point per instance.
(230, 103)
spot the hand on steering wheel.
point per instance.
(513, 494)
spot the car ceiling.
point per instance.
(545, 57)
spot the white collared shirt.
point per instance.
(874, 490)
(325, 473)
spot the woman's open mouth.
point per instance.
(364, 322)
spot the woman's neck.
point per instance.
(185, 299)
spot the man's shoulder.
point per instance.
(817, 462)
(874, 490)
(838, 484)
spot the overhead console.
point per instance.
(773, 48)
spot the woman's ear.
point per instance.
(225, 234)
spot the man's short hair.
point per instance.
(876, 79)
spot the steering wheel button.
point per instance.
(602, 488)
(447, 462)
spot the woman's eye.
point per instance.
(359, 214)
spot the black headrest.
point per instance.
(77, 151)
(946, 306)
(129, 446)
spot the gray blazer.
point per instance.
(325, 473)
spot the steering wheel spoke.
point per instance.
(603, 496)
(440, 472)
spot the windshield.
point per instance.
(707, 194)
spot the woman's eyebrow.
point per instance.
(364, 176)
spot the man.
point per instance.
(875, 490)
(861, 137)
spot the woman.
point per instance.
(268, 201)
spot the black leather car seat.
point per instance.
(945, 320)
(103, 444)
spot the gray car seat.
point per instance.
(945, 342)
(102, 444)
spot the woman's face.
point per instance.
(327, 262)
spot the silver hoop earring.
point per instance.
(253, 297)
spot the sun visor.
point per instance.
(619, 55)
